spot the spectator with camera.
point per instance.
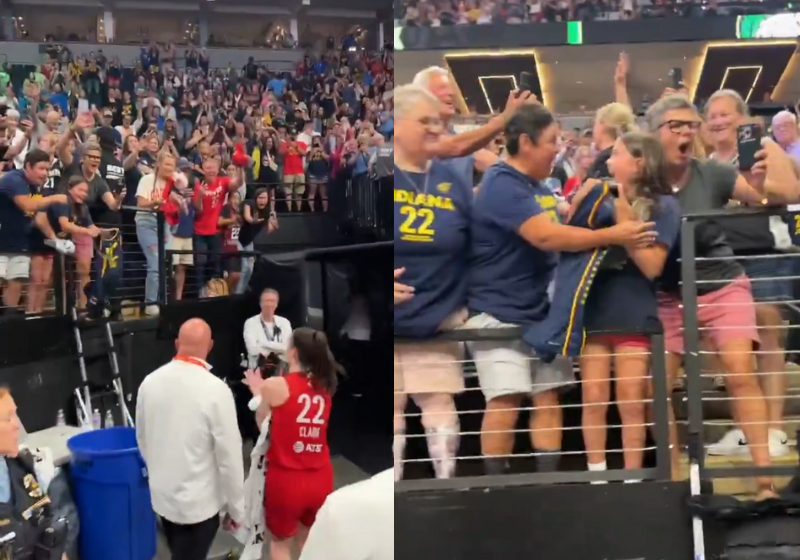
(257, 214)
(294, 178)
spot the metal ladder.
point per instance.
(83, 395)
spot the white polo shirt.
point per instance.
(356, 523)
(189, 437)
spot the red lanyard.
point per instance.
(190, 360)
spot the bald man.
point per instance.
(784, 127)
(189, 438)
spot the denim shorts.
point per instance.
(778, 270)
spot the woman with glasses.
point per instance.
(431, 216)
(751, 236)
(725, 302)
(99, 195)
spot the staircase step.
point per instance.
(714, 430)
(742, 488)
(716, 404)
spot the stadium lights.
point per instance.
(736, 45)
(512, 79)
(729, 69)
(506, 53)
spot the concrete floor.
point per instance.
(344, 472)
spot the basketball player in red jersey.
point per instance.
(299, 473)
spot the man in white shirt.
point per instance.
(356, 523)
(189, 438)
(267, 334)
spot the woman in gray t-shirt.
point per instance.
(726, 310)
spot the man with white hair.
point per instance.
(466, 151)
(784, 127)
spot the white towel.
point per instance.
(43, 465)
(252, 533)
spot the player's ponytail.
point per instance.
(316, 358)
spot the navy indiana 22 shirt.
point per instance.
(622, 298)
(509, 276)
(431, 241)
(15, 225)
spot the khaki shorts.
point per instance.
(14, 267)
(181, 244)
(430, 367)
(294, 183)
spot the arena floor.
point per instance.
(345, 473)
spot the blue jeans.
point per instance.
(185, 129)
(248, 264)
(213, 245)
(148, 236)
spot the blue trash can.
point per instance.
(111, 491)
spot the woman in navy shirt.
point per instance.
(431, 217)
(516, 234)
(623, 299)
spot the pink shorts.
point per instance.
(614, 340)
(84, 247)
(725, 315)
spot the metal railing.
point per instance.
(666, 391)
(357, 208)
(660, 403)
(693, 336)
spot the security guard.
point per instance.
(27, 528)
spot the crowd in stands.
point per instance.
(220, 152)
(436, 13)
(514, 240)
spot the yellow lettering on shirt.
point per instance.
(33, 214)
(426, 200)
(418, 212)
(548, 204)
(110, 257)
(797, 224)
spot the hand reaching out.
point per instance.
(621, 71)
(516, 99)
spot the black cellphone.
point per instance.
(527, 81)
(613, 187)
(748, 142)
(677, 78)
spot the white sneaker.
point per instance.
(732, 444)
(151, 311)
(778, 443)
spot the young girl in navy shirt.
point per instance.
(622, 301)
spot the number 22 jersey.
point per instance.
(299, 427)
(431, 241)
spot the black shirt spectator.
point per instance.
(251, 69)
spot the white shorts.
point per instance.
(511, 368)
(181, 244)
(14, 267)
